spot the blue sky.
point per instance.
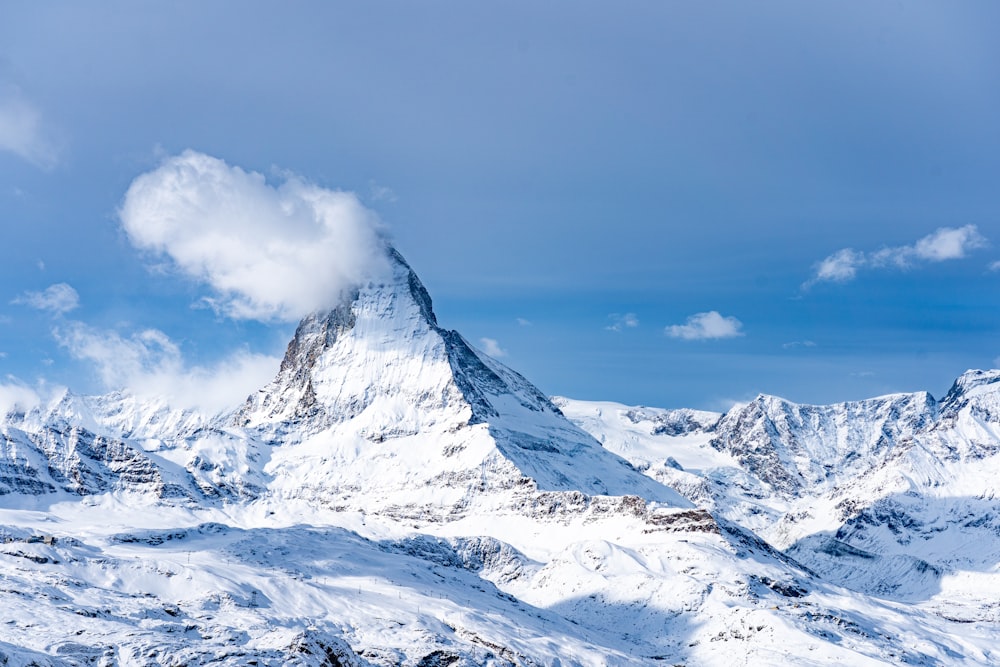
(666, 203)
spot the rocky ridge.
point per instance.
(891, 496)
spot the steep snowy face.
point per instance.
(972, 383)
(377, 357)
(972, 408)
(793, 447)
(120, 414)
(61, 458)
(374, 395)
(381, 351)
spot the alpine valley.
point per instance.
(396, 497)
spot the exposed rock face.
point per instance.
(791, 447)
(74, 460)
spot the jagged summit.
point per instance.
(383, 342)
(968, 384)
(375, 384)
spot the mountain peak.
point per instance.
(376, 385)
(377, 340)
(968, 382)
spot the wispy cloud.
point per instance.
(946, 243)
(729, 404)
(21, 129)
(620, 322)
(148, 363)
(840, 267)
(995, 266)
(492, 347)
(706, 326)
(270, 253)
(523, 322)
(377, 192)
(59, 298)
(16, 396)
(797, 344)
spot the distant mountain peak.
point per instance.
(970, 381)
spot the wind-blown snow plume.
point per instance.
(268, 252)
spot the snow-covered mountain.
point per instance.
(396, 497)
(892, 496)
(375, 395)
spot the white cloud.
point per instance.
(492, 347)
(149, 364)
(527, 323)
(21, 129)
(948, 243)
(995, 266)
(798, 343)
(620, 322)
(381, 192)
(15, 396)
(943, 244)
(841, 266)
(706, 326)
(59, 298)
(729, 404)
(268, 252)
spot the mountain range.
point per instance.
(397, 497)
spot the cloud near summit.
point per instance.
(268, 252)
